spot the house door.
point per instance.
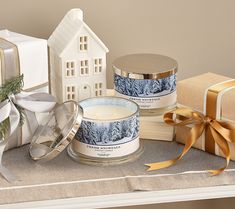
(84, 92)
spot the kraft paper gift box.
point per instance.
(21, 54)
(192, 93)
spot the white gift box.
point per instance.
(33, 58)
(33, 64)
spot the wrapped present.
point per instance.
(192, 93)
(204, 118)
(17, 108)
(20, 54)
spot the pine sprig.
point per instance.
(12, 86)
(21, 112)
(4, 127)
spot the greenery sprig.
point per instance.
(12, 86)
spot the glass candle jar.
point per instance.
(147, 79)
(109, 132)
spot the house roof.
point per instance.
(68, 29)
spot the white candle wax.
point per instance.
(106, 112)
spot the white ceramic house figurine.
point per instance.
(77, 60)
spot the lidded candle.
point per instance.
(147, 79)
(109, 131)
(98, 130)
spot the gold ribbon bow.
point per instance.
(222, 132)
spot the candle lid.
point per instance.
(145, 66)
(59, 129)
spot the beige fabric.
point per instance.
(65, 178)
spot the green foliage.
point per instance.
(4, 126)
(12, 86)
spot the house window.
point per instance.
(84, 67)
(98, 65)
(83, 43)
(70, 69)
(98, 89)
(71, 92)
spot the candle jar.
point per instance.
(147, 79)
(109, 132)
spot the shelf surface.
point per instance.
(64, 183)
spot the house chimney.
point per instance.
(75, 14)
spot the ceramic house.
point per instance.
(77, 60)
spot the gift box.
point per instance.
(21, 54)
(193, 93)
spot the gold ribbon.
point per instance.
(222, 132)
(216, 131)
(212, 107)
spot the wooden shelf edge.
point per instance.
(130, 199)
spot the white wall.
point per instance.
(199, 34)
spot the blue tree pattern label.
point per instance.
(147, 93)
(109, 139)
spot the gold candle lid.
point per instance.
(51, 138)
(145, 66)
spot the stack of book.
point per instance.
(154, 127)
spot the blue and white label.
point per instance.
(147, 93)
(108, 139)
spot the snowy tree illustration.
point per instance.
(92, 132)
(156, 86)
(134, 88)
(131, 127)
(141, 86)
(137, 126)
(125, 129)
(102, 133)
(173, 82)
(133, 124)
(105, 138)
(166, 84)
(169, 83)
(128, 86)
(147, 88)
(79, 135)
(119, 83)
(116, 132)
(82, 134)
(98, 133)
